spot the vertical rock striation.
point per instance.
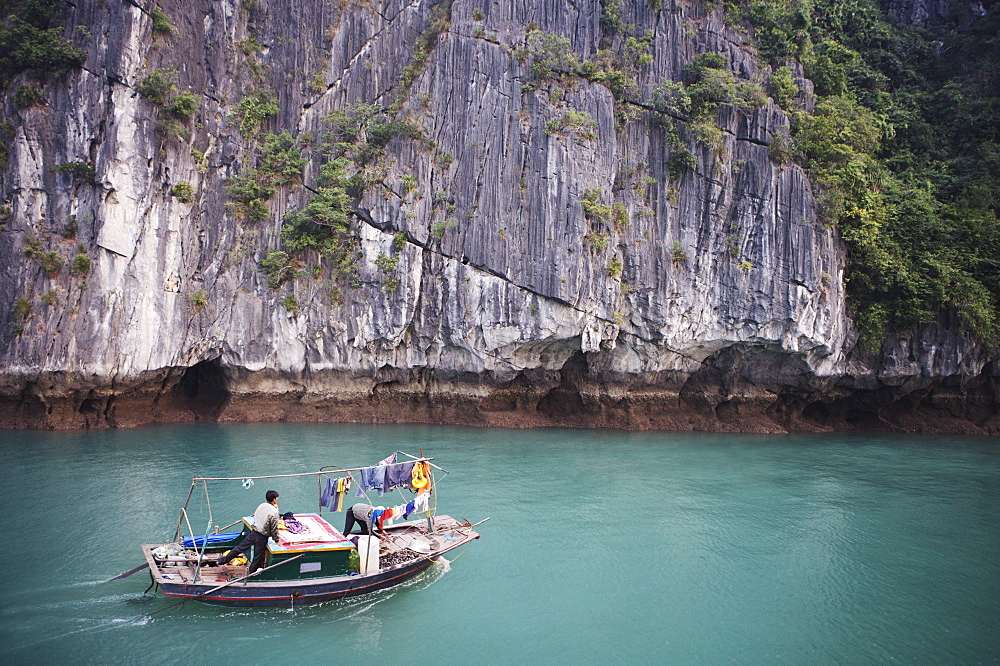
(712, 300)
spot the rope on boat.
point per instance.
(461, 552)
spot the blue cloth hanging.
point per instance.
(399, 474)
(326, 497)
(409, 509)
(371, 478)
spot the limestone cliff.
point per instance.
(493, 287)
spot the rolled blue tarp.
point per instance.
(197, 541)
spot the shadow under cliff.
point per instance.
(741, 388)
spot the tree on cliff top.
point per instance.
(28, 44)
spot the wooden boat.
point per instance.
(316, 564)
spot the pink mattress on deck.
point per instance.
(317, 531)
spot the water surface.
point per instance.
(603, 547)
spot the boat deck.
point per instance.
(178, 570)
(401, 543)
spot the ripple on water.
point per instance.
(604, 546)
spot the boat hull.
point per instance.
(293, 593)
(253, 592)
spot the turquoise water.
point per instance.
(602, 547)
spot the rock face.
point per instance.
(935, 12)
(712, 300)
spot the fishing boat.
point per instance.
(315, 562)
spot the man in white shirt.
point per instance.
(265, 525)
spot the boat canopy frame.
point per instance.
(326, 470)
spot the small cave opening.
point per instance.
(564, 401)
(204, 388)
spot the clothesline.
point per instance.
(385, 477)
(248, 481)
(322, 471)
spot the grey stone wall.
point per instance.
(510, 317)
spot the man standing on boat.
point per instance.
(265, 525)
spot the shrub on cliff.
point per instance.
(573, 121)
(711, 83)
(182, 107)
(549, 54)
(249, 196)
(28, 44)
(783, 88)
(183, 192)
(592, 209)
(28, 96)
(161, 23)
(324, 224)
(78, 170)
(51, 263)
(254, 109)
(281, 161)
(360, 132)
(22, 309)
(440, 21)
(278, 268)
(670, 99)
(680, 161)
(157, 85)
(198, 300)
(81, 265)
(175, 111)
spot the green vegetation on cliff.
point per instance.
(905, 143)
(175, 108)
(355, 148)
(29, 44)
(279, 163)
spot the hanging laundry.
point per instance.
(388, 460)
(398, 475)
(342, 486)
(371, 478)
(382, 517)
(326, 495)
(420, 503)
(408, 509)
(397, 513)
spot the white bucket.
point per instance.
(368, 554)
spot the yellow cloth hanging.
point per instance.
(339, 497)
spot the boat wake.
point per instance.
(89, 602)
(91, 626)
(355, 606)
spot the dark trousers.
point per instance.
(349, 525)
(259, 543)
